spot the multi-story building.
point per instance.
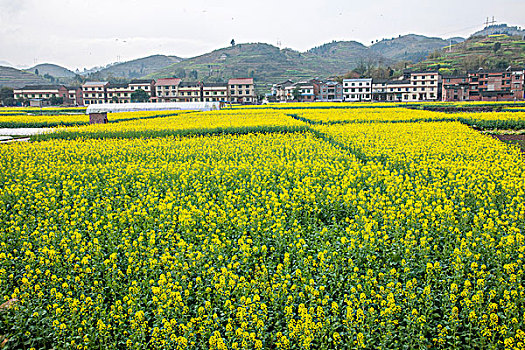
(94, 92)
(242, 90)
(166, 90)
(455, 88)
(215, 92)
(282, 91)
(399, 91)
(118, 93)
(308, 90)
(518, 83)
(496, 85)
(330, 91)
(190, 92)
(75, 96)
(42, 92)
(426, 86)
(357, 89)
(147, 85)
(379, 89)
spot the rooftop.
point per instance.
(168, 81)
(41, 87)
(142, 81)
(246, 81)
(95, 83)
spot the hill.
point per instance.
(265, 63)
(135, 68)
(490, 52)
(268, 64)
(500, 29)
(53, 70)
(410, 47)
(14, 78)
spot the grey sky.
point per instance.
(86, 33)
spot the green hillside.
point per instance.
(490, 52)
(15, 78)
(410, 47)
(135, 68)
(268, 64)
(53, 70)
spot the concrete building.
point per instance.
(282, 92)
(167, 90)
(307, 91)
(455, 88)
(94, 92)
(330, 91)
(399, 91)
(43, 92)
(147, 85)
(496, 85)
(215, 92)
(426, 86)
(379, 90)
(190, 92)
(242, 90)
(118, 93)
(356, 90)
(75, 96)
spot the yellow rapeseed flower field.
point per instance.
(253, 229)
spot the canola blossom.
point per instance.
(274, 233)
(192, 123)
(14, 120)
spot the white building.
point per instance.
(355, 90)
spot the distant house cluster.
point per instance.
(171, 90)
(485, 85)
(239, 90)
(71, 96)
(418, 86)
(480, 85)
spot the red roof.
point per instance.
(168, 81)
(246, 81)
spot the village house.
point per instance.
(496, 85)
(425, 86)
(455, 88)
(241, 90)
(43, 92)
(215, 92)
(75, 96)
(399, 91)
(330, 91)
(118, 93)
(94, 92)
(190, 92)
(281, 91)
(356, 90)
(379, 90)
(147, 85)
(166, 90)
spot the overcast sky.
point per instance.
(87, 33)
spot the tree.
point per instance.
(36, 71)
(296, 93)
(232, 43)
(497, 46)
(55, 101)
(139, 96)
(7, 96)
(194, 74)
(180, 73)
